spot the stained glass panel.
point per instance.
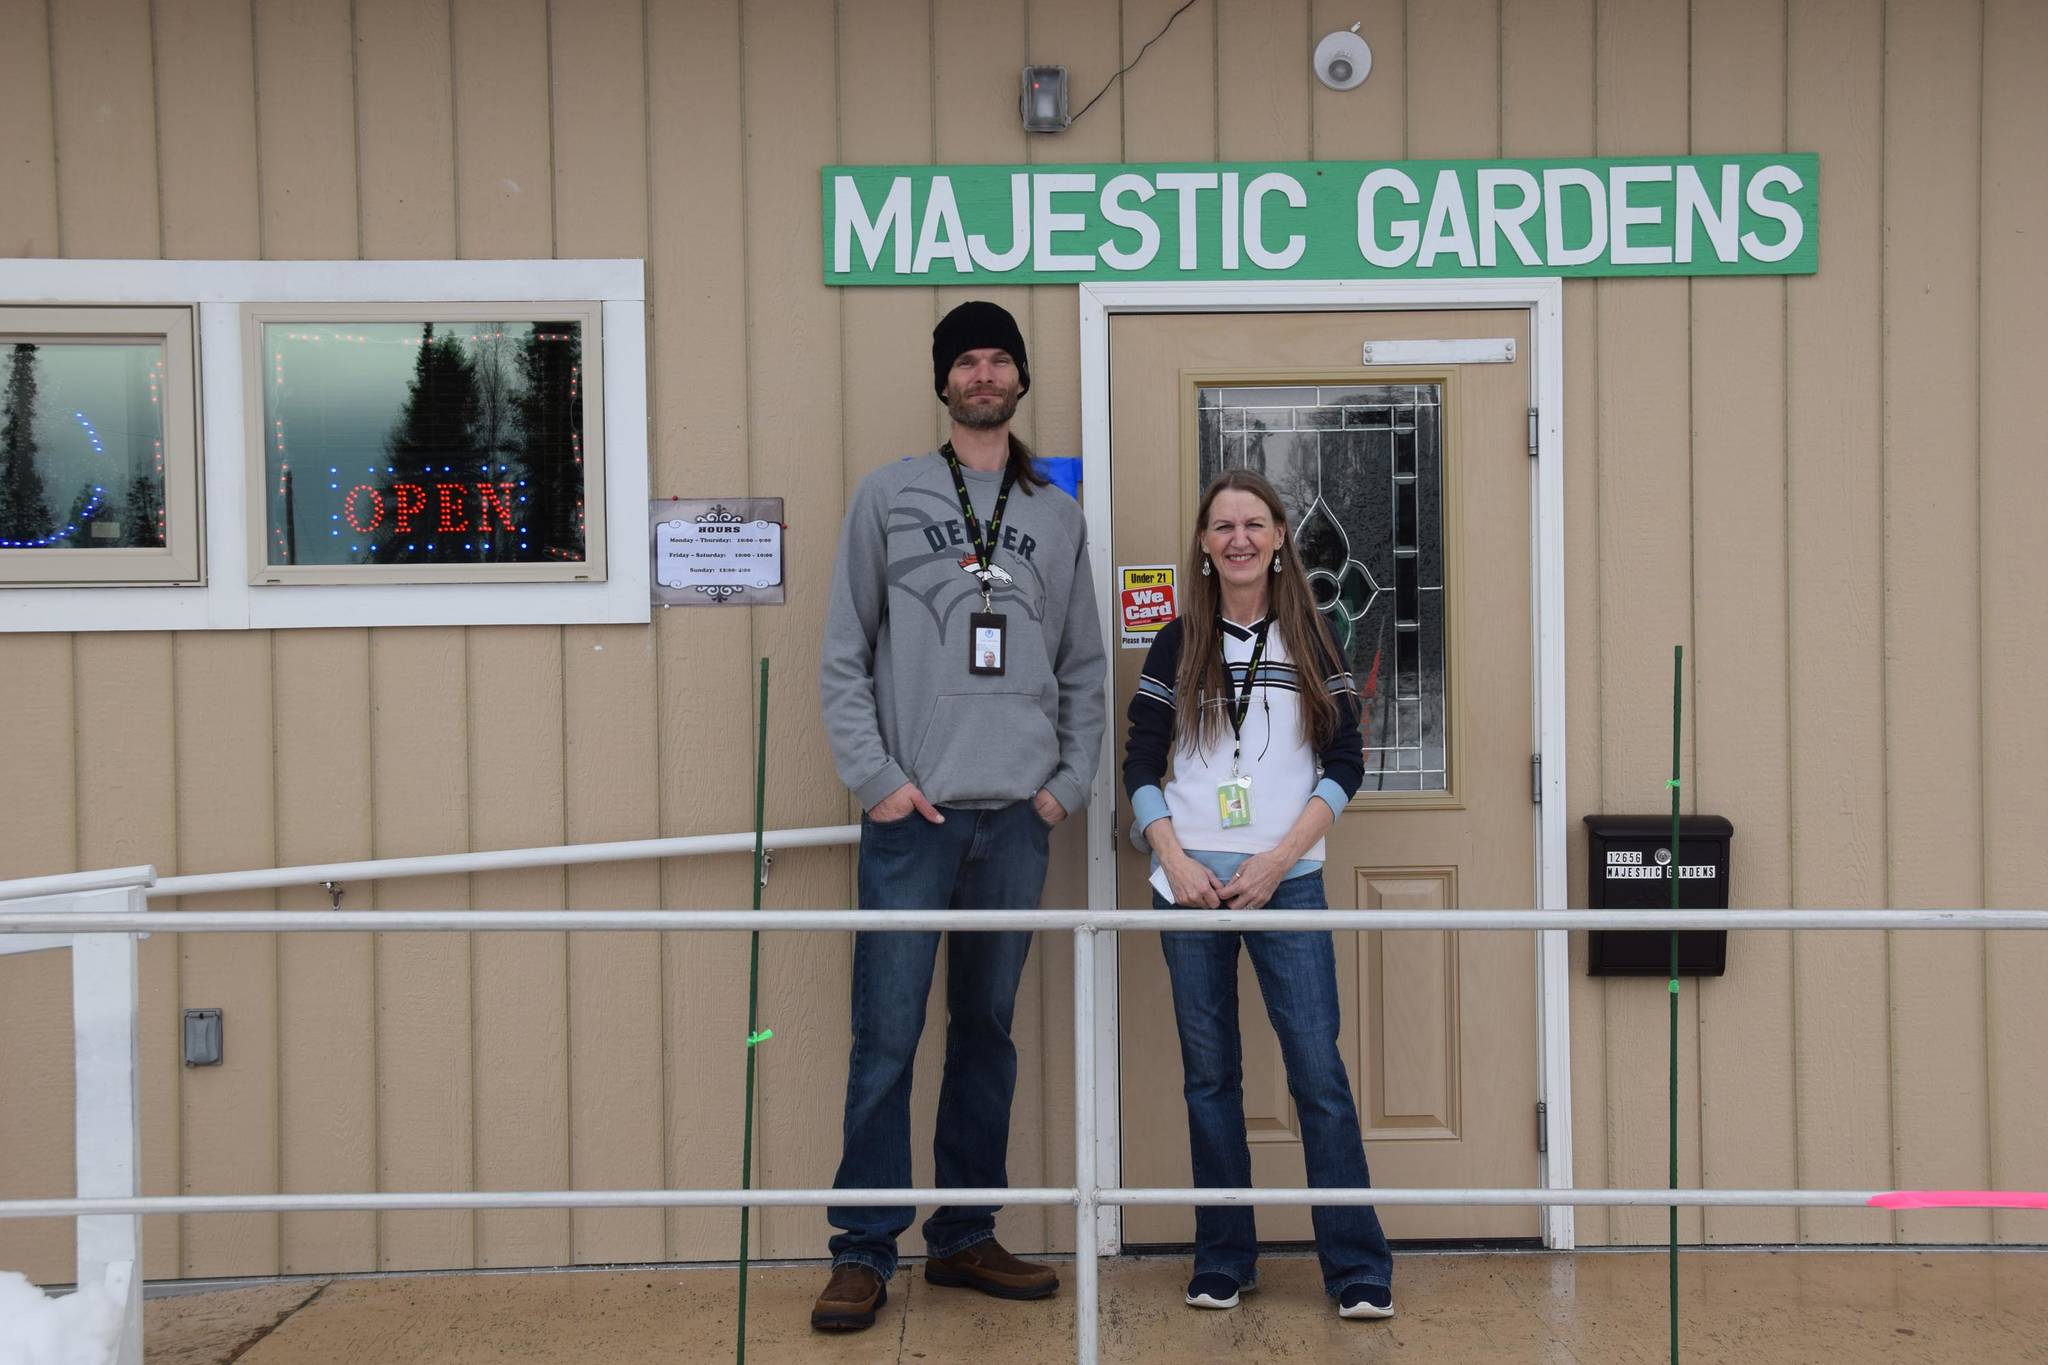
(1360, 467)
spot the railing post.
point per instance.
(1085, 1280)
(107, 1115)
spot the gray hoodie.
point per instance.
(900, 705)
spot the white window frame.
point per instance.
(220, 291)
(179, 561)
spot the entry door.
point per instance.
(1408, 492)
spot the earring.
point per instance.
(1276, 561)
(1205, 566)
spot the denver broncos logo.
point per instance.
(996, 572)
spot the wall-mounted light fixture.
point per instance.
(1042, 103)
(1343, 59)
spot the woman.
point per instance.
(1246, 701)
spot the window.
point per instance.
(500, 379)
(427, 443)
(1360, 467)
(99, 452)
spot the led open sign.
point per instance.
(424, 443)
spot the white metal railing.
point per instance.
(107, 1118)
(109, 1204)
(494, 860)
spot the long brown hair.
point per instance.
(1202, 685)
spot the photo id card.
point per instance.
(1234, 802)
(987, 639)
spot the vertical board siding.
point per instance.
(1748, 1135)
(326, 983)
(520, 1025)
(1082, 34)
(419, 775)
(2014, 580)
(1940, 1106)
(37, 715)
(793, 359)
(1823, 486)
(103, 89)
(498, 56)
(1834, 500)
(423, 691)
(125, 713)
(228, 1114)
(405, 128)
(306, 136)
(498, 50)
(28, 144)
(598, 108)
(206, 129)
(1546, 109)
(1645, 566)
(697, 412)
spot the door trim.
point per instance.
(1543, 298)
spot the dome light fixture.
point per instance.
(1343, 59)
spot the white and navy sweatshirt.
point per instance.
(1286, 771)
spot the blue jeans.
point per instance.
(976, 860)
(1298, 977)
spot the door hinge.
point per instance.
(1536, 778)
(1532, 431)
(1542, 1127)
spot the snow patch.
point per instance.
(35, 1329)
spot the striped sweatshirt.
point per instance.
(1165, 779)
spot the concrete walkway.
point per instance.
(1741, 1308)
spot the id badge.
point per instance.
(1234, 802)
(988, 643)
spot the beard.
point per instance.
(982, 416)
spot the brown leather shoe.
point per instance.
(850, 1300)
(992, 1270)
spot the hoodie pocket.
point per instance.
(985, 746)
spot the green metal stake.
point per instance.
(1677, 711)
(756, 1035)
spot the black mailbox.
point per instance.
(1630, 870)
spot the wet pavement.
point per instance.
(1588, 1308)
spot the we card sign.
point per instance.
(1147, 602)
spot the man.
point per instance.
(962, 675)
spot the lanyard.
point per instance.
(1240, 705)
(984, 546)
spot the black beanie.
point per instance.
(971, 327)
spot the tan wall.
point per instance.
(1822, 487)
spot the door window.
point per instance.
(1360, 467)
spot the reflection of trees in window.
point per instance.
(548, 409)
(432, 456)
(142, 518)
(486, 456)
(24, 510)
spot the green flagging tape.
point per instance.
(1674, 985)
(1673, 784)
(756, 1035)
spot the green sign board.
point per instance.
(1322, 220)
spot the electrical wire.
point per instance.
(1134, 61)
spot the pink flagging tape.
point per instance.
(1960, 1199)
